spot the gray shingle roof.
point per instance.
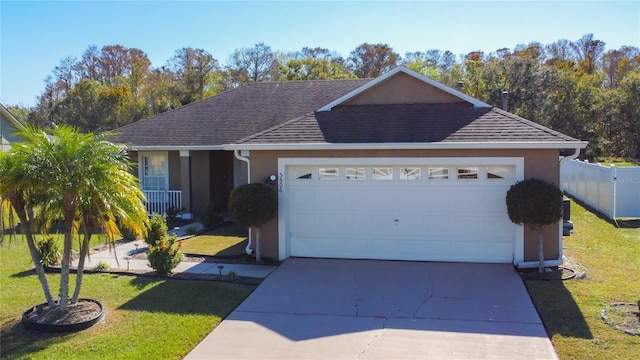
(407, 123)
(235, 114)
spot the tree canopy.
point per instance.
(578, 87)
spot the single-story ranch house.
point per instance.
(398, 167)
(8, 127)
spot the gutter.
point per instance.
(237, 155)
(510, 145)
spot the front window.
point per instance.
(154, 172)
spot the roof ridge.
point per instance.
(274, 128)
(532, 123)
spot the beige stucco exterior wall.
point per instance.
(541, 164)
(200, 194)
(403, 89)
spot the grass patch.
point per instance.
(227, 240)
(147, 318)
(619, 162)
(570, 310)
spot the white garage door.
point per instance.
(407, 212)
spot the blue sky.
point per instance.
(36, 35)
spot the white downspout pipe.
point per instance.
(576, 153)
(237, 155)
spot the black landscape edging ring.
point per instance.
(61, 328)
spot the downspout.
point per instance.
(559, 260)
(237, 155)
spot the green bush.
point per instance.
(49, 251)
(534, 203)
(156, 230)
(253, 205)
(127, 234)
(165, 255)
(101, 266)
(190, 230)
(208, 216)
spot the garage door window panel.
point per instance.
(351, 173)
(468, 172)
(500, 172)
(438, 173)
(410, 173)
(382, 173)
(329, 173)
(302, 173)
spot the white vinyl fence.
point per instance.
(613, 191)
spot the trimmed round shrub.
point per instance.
(253, 205)
(534, 203)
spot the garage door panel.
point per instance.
(419, 219)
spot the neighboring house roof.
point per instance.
(408, 123)
(8, 126)
(9, 116)
(234, 114)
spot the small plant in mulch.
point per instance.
(165, 255)
(191, 229)
(49, 251)
(623, 316)
(101, 266)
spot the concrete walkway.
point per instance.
(122, 261)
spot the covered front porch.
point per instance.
(184, 182)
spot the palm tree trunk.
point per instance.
(18, 205)
(66, 257)
(84, 250)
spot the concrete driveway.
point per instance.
(364, 309)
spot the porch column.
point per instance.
(185, 182)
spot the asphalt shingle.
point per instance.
(234, 114)
(407, 123)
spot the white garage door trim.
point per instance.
(284, 244)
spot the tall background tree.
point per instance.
(372, 60)
(578, 87)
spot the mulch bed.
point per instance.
(79, 312)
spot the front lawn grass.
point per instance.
(146, 318)
(570, 310)
(227, 240)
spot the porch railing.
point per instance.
(158, 201)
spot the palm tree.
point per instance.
(79, 176)
(15, 192)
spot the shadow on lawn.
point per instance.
(559, 312)
(25, 273)
(621, 224)
(186, 297)
(17, 340)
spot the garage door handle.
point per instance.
(396, 220)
